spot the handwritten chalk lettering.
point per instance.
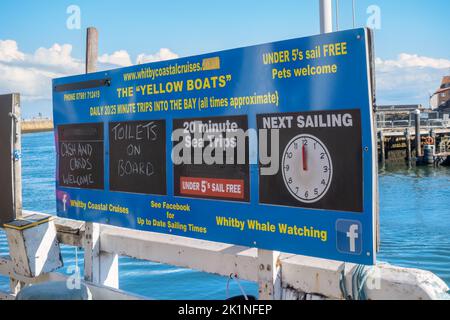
(76, 149)
(133, 150)
(137, 156)
(124, 131)
(129, 168)
(80, 156)
(80, 181)
(80, 164)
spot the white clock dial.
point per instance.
(307, 168)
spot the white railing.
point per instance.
(425, 124)
(279, 276)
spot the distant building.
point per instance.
(445, 108)
(441, 98)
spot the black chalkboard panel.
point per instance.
(226, 179)
(137, 157)
(80, 156)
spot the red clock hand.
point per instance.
(305, 160)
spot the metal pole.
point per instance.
(91, 50)
(354, 13)
(418, 138)
(337, 15)
(326, 18)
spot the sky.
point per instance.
(42, 39)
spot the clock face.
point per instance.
(307, 168)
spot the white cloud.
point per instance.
(122, 58)
(119, 58)
(409, 79)
(9, 51)
(57, 58)
(162, 55)
(31, 74)
(31, 83)
(405, 60)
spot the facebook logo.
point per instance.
(349, 236)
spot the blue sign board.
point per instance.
(269, 146)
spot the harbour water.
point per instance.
(414, 222)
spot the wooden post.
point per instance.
(418, 138)
(382, 149)
(11, 173)
(10, 158)
(17, 157)
(269, 275)
(433, 135)
(91, 50)
(99, 267)
(408, 146)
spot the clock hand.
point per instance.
(304, 157)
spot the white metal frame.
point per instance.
(279, 275)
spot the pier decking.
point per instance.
(398, 128)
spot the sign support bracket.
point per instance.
(100, 267)
(269, 275)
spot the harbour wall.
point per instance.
(40, 125)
